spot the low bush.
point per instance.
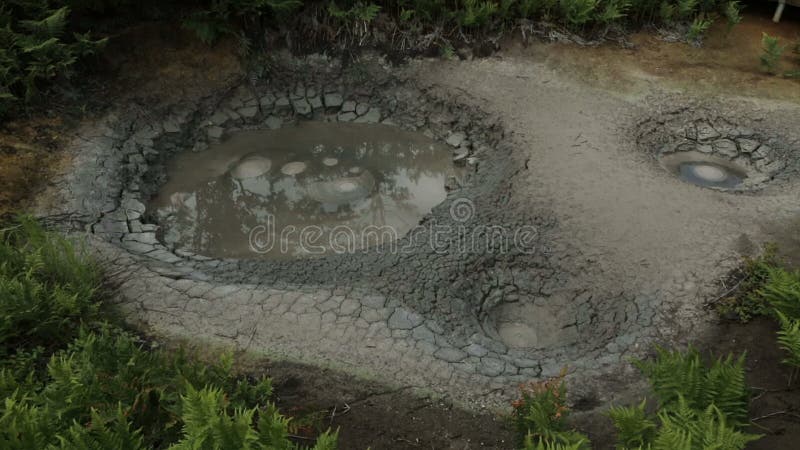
(701, 406)
(540, 416)
(36, 49)
(47, 288)
(439, 21)
(71, 381)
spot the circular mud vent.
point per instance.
(707, 170)
(714, 152)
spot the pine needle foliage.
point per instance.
(683, 377)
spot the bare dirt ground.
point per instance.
(642, 229)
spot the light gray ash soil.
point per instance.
(624, 254)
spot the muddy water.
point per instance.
(303, 191)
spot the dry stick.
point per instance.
(777, 413)
(720, 297)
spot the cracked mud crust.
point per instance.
(624, 254)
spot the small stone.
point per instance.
(293, 168)
(748, 145)
(705, 148)
(452, 355)
(282, 103)
(685, 147)
(460, 155)
(726, 147)
(346, 117)
(761, 153)
(456, 139)
(706, 132)
(476, 350)
(144, 238)
(219, 118)
(362, 109)
(373, 116)
(137, 247)
(131, 204)
(315, 102)
(267, 101)
(248, 112)
(215, 132)
(402, 319)
(273, 122)
(333, 100)
(349, 106)
(491, 367)
(171, 126)
(301, 107)
(423, 333)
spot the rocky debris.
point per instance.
(726, 147)
(215, 132)
(372, 116)
(456, 139)
(333, 100)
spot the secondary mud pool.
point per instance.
(567, 235)
(303, 191)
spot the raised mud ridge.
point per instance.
(471, 321)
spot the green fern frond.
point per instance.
(789, 339)
(634, 428)
(678, 375)
(48, 27)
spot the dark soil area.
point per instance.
(775, 406)
(369, 415)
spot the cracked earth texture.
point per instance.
(625, 254)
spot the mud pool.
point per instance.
(624, 254)
(302, 191)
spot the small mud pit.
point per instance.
(728, 154)
(308, 190)
(704, 170)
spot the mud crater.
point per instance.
(728, 154)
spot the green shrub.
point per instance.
(686, 428)
(746, 301)
(47, 288)
(733, 14)
(540, 415)
(771, 52)
(782, 291)
(683, 377)
(70, 381)
(138, 398)
(229, 17)
(634, 428)
(35, 49)
(789, 341)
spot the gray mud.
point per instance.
(569, 244)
